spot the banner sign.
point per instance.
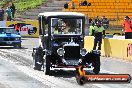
(26, 28)
(82, 78)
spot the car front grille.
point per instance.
(9, 39)
(72, 52)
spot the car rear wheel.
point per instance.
(36, 63)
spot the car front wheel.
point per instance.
(47, 70)
(17, 45)
(96, 65)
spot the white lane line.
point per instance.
(51, 81)
(101, 86)
(105, 71)
(47, 79)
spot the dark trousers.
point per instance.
(13, 14)
(1, 17)
(128, 35)
(97, 40)
(8, 18)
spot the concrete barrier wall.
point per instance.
(119, 48)
(33, 26)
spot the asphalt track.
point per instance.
(16, 70)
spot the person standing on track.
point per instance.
(127, 24)
(99, 33)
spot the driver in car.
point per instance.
(65, 27)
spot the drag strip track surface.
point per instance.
(17, 64)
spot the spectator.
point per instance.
(127, 24)
(81, 3)
(18, 27)
(91, 29)
(105, 22)
(73, 5)
(1, 14)
(66, 5)
(13, 10)
(85, 3)
(89, 4)
(90, 21)
(96, 19)
(9, 14)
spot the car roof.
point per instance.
(6, 27)
(60, 14)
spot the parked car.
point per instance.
(25, 28)
(9, 37)
(61, 45)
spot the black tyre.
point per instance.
(81, 80)
(47, 70)
(96, 65)
(36, 62)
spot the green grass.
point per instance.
(22, 5)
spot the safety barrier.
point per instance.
(28, 28)
(118, 48)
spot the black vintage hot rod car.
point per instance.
(61, 42)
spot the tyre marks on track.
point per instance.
(15, 57)
(21, 59)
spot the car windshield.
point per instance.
(66, 26)
(8, 30)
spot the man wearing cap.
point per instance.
(127, 24)
(99, 33)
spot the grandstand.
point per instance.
(115, 10)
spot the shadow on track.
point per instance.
(1, 47)
(70, 74)
(62, 73)
(24, 39)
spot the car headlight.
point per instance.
(61, 51)
(17, 39)
(83, 52)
